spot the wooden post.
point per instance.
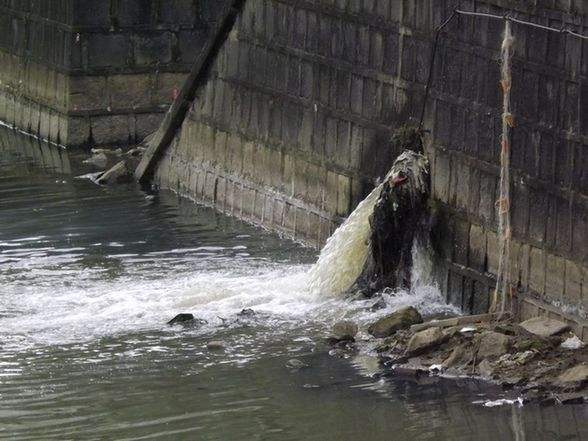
(158, 144)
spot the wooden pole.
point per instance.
(176, 114)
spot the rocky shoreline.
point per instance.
(539, 360)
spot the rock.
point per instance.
(459, 356)
(182, 319)
(295, 364)
(344, 330)
(99, 160)
(423, 340)
(247, 312)
(379, 304)
(492, 345)
(573, 377)
(544, 326)
(401, 319)
(215, 345)
(485, 369)
(117, 174)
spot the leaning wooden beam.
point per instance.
(456, 321)
(176, 114)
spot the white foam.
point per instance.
(345, 253)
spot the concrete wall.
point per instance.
(85, 72)
(293, 128)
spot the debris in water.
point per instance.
(501, 402)
(572, 343)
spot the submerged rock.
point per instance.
(424, 340)
(344, 330)
(401, 319)
(544, 326)
(215, 345)
(295, 364)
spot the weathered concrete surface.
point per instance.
(96, 72)
(293, 128)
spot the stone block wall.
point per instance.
(82, 72)
(293, 127)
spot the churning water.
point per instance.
(89, 276)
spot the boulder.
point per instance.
(401, 319)
(458, 357)
(423, 340)
(544, 326)
(344, 330)
(573, 377)
(492, 345)
(117, 174)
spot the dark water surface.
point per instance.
(89, 276)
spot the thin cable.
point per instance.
(522, 22)
(431, 65)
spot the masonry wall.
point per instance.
(293, 127)
(82, 72)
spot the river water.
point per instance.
(89, 276)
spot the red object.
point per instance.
(399, 180)
(175, 93)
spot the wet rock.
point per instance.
(492, 345)
(544, 326)
(379, 304)
(247, 312)
(117, 174)
(215, 345)
(182, 318)
(424, 340)
(458, 357)
(574, 377)
(401, 319)
(295, 364)
(99, 160)
(344, 330)
(486, 369)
